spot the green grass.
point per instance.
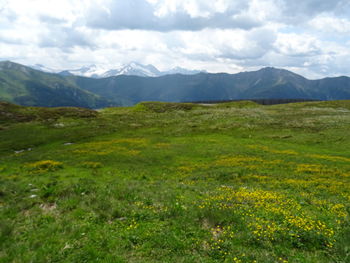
(165, 182)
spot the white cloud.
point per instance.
(297, 45)
(331, 24)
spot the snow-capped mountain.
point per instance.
(133, 68)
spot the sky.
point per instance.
(309, 37)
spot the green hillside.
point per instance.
(22, 85)
(169, 182)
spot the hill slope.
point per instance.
(26, 86)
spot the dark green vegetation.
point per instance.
(11, 113)
(25, 86)
(160, 182)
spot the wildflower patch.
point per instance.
(44, 166)
(273, 217)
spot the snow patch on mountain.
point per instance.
(134, 69)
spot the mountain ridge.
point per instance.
(266, 83)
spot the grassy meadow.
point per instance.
(167, 182)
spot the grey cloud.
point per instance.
(8, 16)
(242, 21)
(139, 14)
(242, 54)
(297, 12)
(65, 38)
(309, 50)
(313, 67)
(259, 42)
(336, 66)
(201, 57)
(312, 51)
(11, 41)
(51, 20)
(312, 7)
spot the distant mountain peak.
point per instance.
(267, 69)
(278, 72)
(131, 69)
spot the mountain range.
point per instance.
(26, 86)
(131, 69)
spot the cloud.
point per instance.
(65, 38)
(309, 37)
(227, 44)
(7, 17)
(168, 15)
(297, 45)
(10, 40)
(51, 20)
(330, 24)
(314, 7)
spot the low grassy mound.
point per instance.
(345, 104)
(337, 104)
(13, 113)
(160, 107)
(238, 104)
